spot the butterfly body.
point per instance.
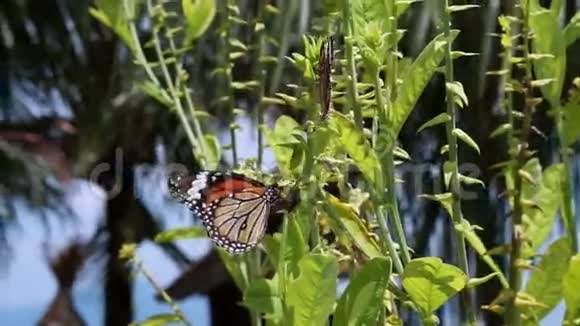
(233, 208)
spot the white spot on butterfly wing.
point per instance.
(197, 186)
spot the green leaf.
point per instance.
(571, 284)
(181, 233)
(430, 283)
(445, 199)
(466, 139)
(198, 14)
(475, 242)
(459, 54)
(213, 151)
(110, 13)
(345, 216)
(470, 180)
(262, 295)
(234, 267)
(500, 130)
(417, 77)
(571, 122)
(367, 12)
(157, 93)
(439, 119)
(160, 320)
(354, 142)
(545, 283)
(458, 8)
(295, 247)
(572, 30)
(555, 7)
(538, 221)
(311, 296)
(458, 93)
(549, 39)
(477, 281)
(282, 134)
(362, 301)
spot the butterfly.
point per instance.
(233, 208)
(325, 63)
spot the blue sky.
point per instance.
(27, 285)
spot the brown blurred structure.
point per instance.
(65, 268)
(210, 277)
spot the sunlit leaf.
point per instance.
(362, 301)
(282, 134)
(548, 38)
(160, 320)
(198, 14)
(181, 233)
(295, 247)
(571, 122)
(457, 8)
(418, 75)
(501, 130)
(456, 89)
(439, 119)
(572, 30)
(545, 283)
(234, 267)
(262, 295)
(110, 13)
(156, 92)
(213, 151)
(538, 222)
(311, 296)
(430, 283)
(445, 199)
(356, 145)
(475, 242)
(466, 139)
(477, 281)
(345, 216)
(571, 284)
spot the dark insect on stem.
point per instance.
(324, 77)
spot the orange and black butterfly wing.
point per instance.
(233, 208)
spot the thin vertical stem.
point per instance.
(174, 306)
(350, 64)
(388, 241)
(390, 159)
(172, 90)
(513, 316)
(455, 188)
(260, 73)
(385, 151)
(228, 65)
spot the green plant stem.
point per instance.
(389, 244)
(288, 15)
(390, 158)
(455, 187)
(311, 186)
(176, 100)
(385, 151)
(568, 209)
(228, 65)
(181, 73)
(513, 316)
(260, 73)
(350, 64)
(174, 306)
